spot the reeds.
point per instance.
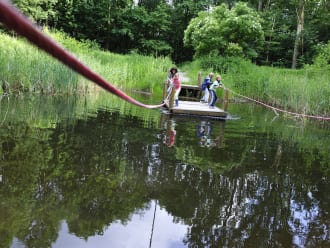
(305, 91)
(25, 68)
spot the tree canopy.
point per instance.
(224, 31)
(278, 33)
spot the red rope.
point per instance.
(282, 110)
(14, 20)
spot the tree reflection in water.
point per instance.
(251, 189)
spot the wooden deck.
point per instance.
(189, 103)
(196, 108)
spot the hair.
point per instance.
(174, 68)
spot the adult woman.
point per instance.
(177, 86)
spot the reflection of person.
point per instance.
(216, 84)
(171, 74)
(177, 87)
(205, 87)
(171, 133)
(204, 133)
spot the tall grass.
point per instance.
(25, 68)
(305, 91)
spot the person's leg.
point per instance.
(215, 98)
(203, 96)
(176, 96)
(212, 98)
(206, 95)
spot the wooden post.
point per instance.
(199, 80)
(199, 83)
(171, 100)
(225, 101)
(165, 87)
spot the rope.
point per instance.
(14, 20)
(169, 91)
(282, 110)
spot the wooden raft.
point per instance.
(189, 102)
(195, 108)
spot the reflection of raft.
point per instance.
(189, 102)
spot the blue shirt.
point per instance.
(206, 83)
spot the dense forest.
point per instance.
(283, 33)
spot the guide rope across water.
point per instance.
(275, 109)
(16, 21)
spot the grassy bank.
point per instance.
(304, 91)
(24, 68)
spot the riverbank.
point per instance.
(23, 68)
(305, 91)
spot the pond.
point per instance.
(99, 172)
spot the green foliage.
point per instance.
(157, 27)
(322, 59)
(215, 32)
(303, 91)
(25, 68)
(41, 11)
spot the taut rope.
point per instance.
(282, 110)
(16, 21)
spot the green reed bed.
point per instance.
(131, 71)
(305, 91)
(25, 68)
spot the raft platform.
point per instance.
(189, 101)
(196, 108)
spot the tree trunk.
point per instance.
(300, 28)
(260, 5)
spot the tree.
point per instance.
(181, 14)
(300, 28)
(223, 30)
(41, 11)
(149, 30)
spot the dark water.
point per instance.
(97, 172)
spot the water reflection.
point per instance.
(204, 132)
(170, 132)
(137, 233)
(91, 178)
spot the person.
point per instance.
(217, 83)
(205, 87)
(171, 74)
(172, 134)
(177, 86)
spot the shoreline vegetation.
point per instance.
(24, 68)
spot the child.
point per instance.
(205, 87)
(217, 83)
